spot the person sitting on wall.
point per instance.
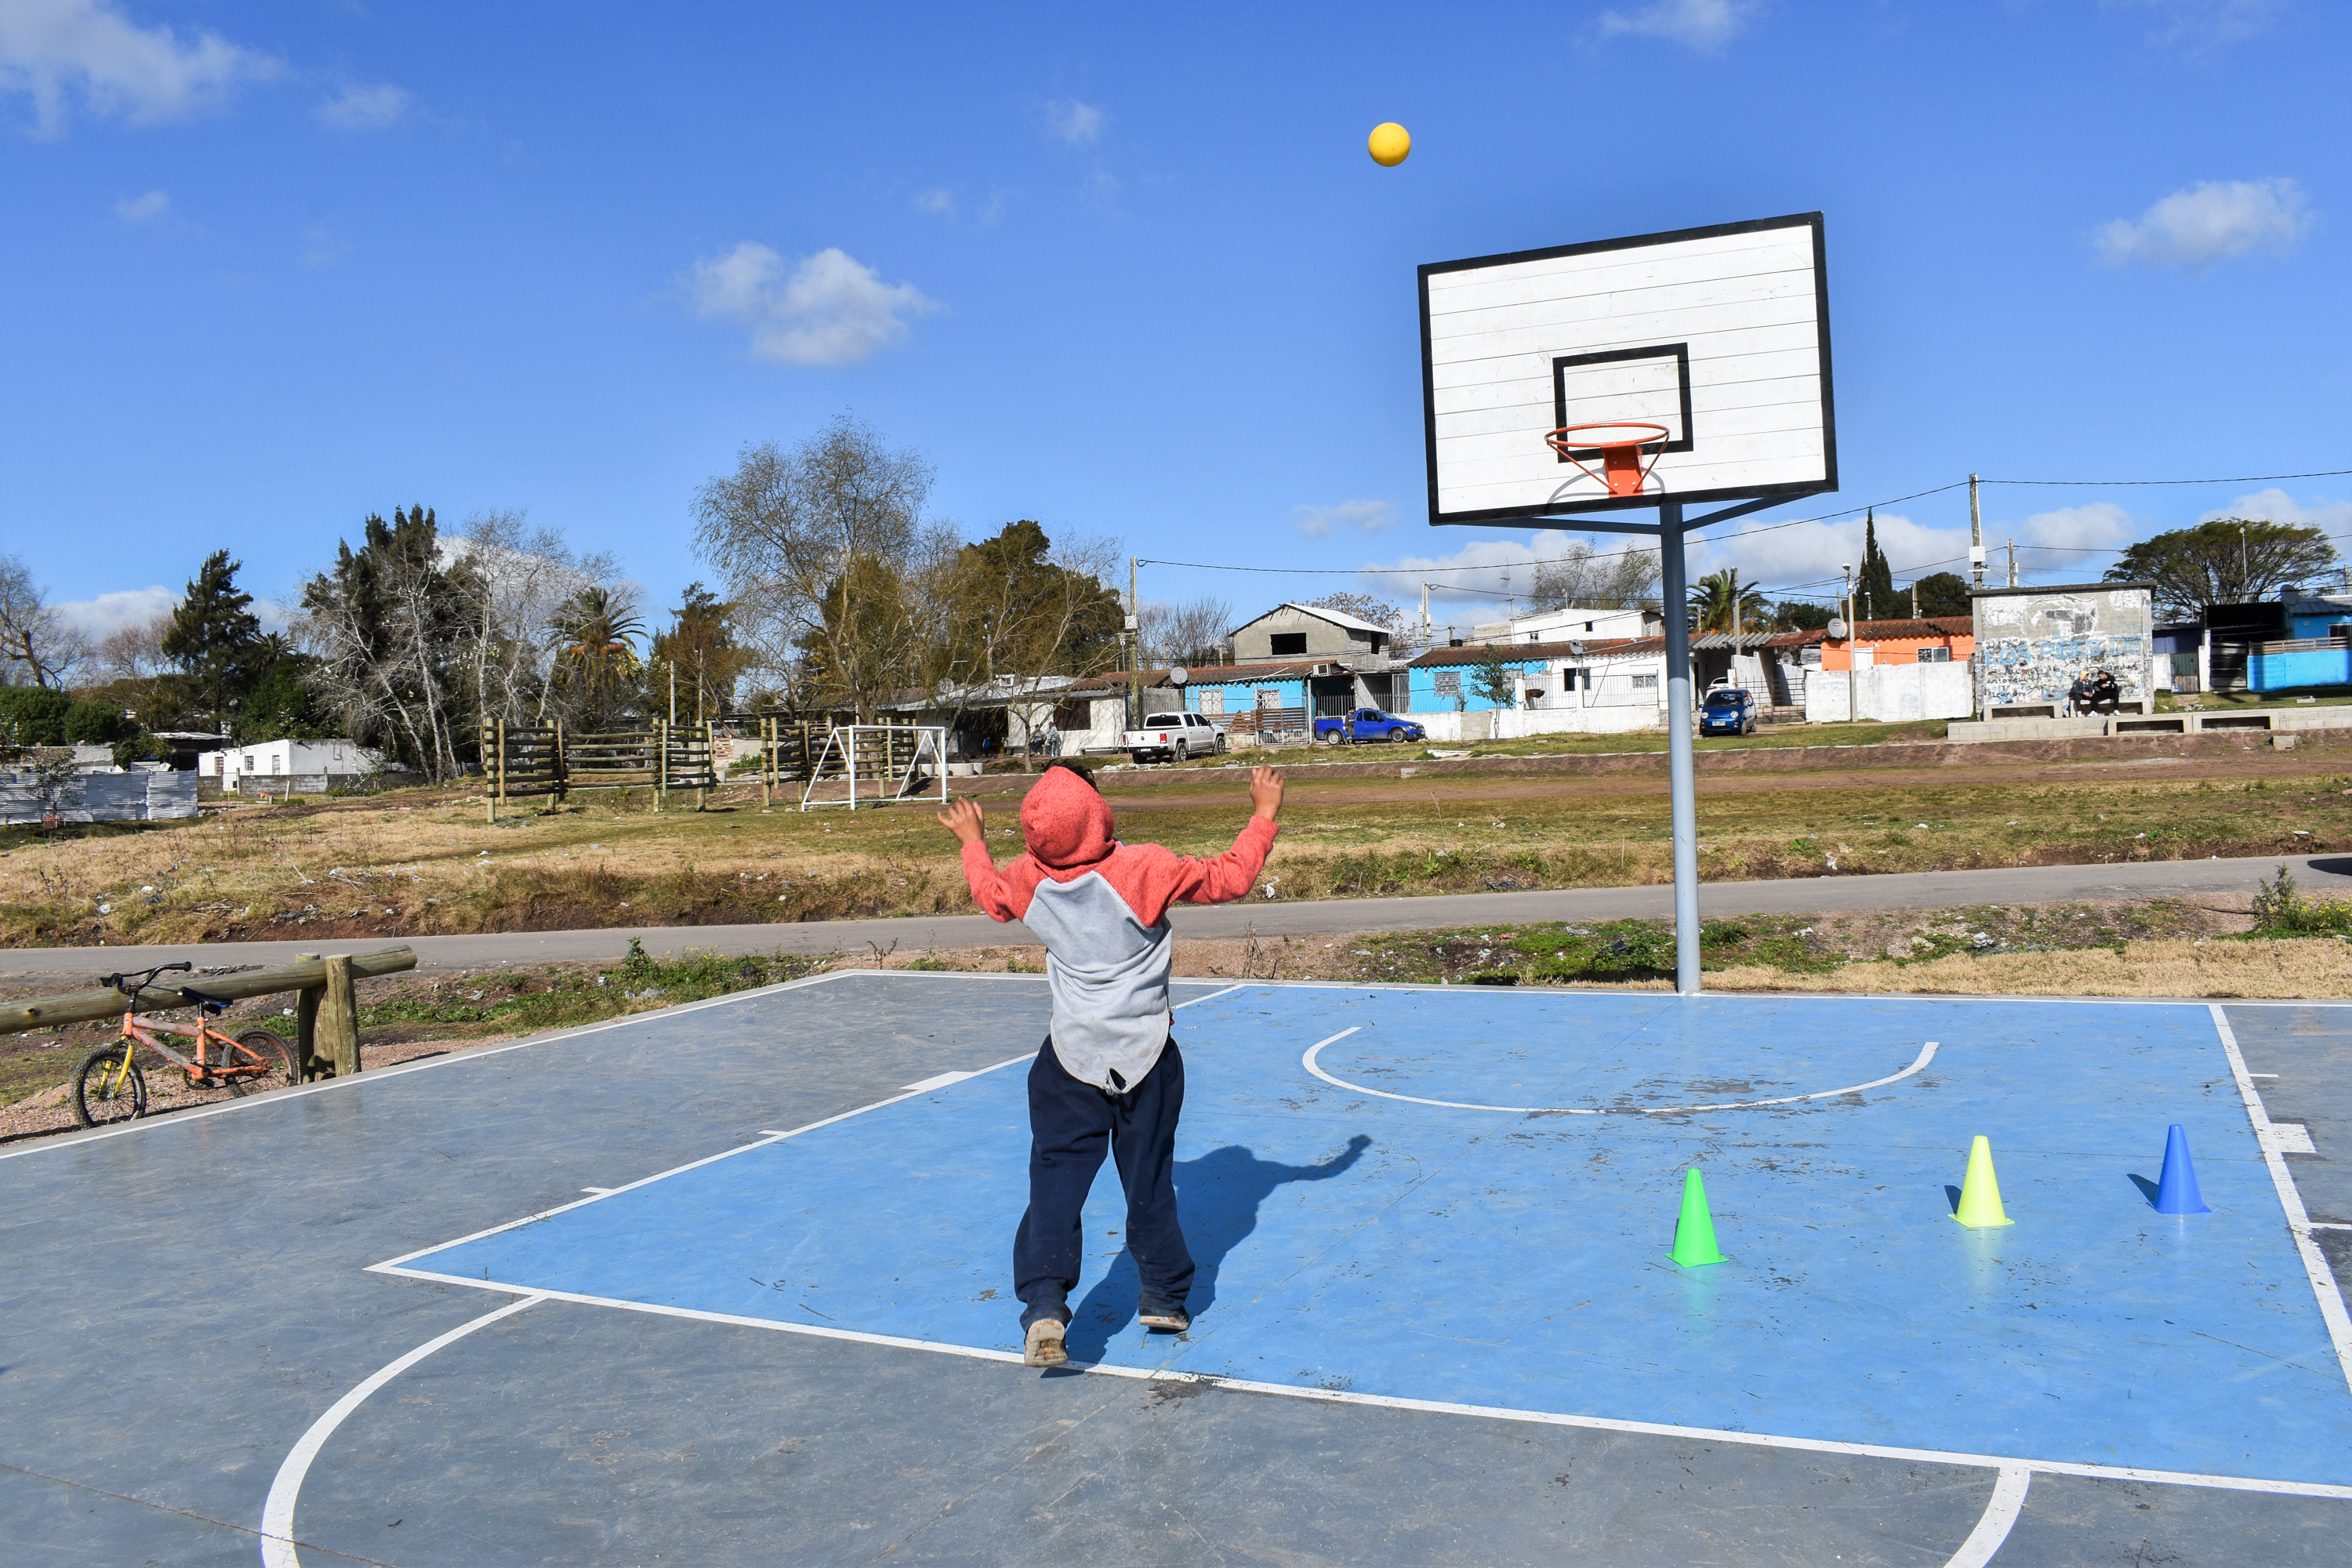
(2095, 691)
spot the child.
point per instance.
(1108, 1071)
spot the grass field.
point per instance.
(426, 861)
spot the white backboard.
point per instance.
(1720, 334)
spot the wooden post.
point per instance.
(562, 774)
(502, 761)
(709, 755)
(489, 776)
(661, 765)
(339, 1016)
(767, 760)
(306, 1028)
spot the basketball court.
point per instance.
(732, 1280)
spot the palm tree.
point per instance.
(597, 632)
(1725, 603)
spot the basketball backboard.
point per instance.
(1721, 335)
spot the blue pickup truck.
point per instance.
(1367, 724)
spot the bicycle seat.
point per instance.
(210, 1003)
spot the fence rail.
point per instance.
(525, 762)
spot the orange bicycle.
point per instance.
(109, 1087)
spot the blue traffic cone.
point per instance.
(2176, 1190)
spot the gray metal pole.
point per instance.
(1678, 746)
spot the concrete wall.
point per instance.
(1254, 642)
(1505, 724)
(2032, 644)
(2305, 666)
(1891, 692)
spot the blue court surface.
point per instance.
(730, 1283)
(1353, 1238)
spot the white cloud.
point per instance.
(832, 309)
(2210, 223)
(938, 203)
(1704, 25)
(2275, 505)
(1317, 521)
(1074, 123)
(365, 108)
(146, 75)
(137, 606)
(112, 612)
(143, 209)
(2201, 22)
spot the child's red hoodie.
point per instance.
(1101, 908)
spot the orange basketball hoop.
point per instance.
(1620, 444)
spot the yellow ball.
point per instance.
(1388, 144)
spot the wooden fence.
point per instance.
(522, 761)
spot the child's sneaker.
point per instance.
(1162, 1319)
(1044, 1345)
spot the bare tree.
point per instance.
(526, 574)
(134, 652)
(1623, 579)
(1190, 633)
(36, 644)
(823, 547)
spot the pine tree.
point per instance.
(215, 638)
(1876, 588)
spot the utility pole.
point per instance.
(671, 665)
(1848, 569)
(1134, 647)
(1915, 601)
(1976, 536)
(2013, 563)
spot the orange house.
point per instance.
(1936, 639)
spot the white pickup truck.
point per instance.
(1172, 737)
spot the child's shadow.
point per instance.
(1217, 1199)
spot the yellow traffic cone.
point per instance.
(1980, 1192)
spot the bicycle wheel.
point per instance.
(108, 1086)
(260, 1047)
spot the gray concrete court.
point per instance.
(182, 1300)
(2330, 874)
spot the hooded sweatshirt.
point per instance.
(1101, 909)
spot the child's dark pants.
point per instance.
(1070, 1122)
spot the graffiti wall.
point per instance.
(2032, 643)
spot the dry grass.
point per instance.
(425, 862)
(2298, 968)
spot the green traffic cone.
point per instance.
(1694, 1231)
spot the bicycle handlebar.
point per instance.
(138, 984)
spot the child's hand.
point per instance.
(1265, 793)
(964, 818)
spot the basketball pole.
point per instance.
(1674, 572)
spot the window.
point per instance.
(1288, 642)
(1535, 636)
(1934, 655)
(1645, 683)
(2341, 631)
(1213, 700)
(1449, 683)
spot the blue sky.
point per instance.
(270, 267)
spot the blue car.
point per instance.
(1727, 710)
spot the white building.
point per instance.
(1580, 622)
(288, 759)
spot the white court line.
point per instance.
(941, 1082)
(1999, 1515)
(1431, 1406)
(390, 1265)
(277, 1512)
(1926, 1055)
(1670, 997)
(402, 1069)
(2298, 1218)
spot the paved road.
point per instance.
(1821, 895)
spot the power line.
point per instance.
(2240, 480)
(1555, 561)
